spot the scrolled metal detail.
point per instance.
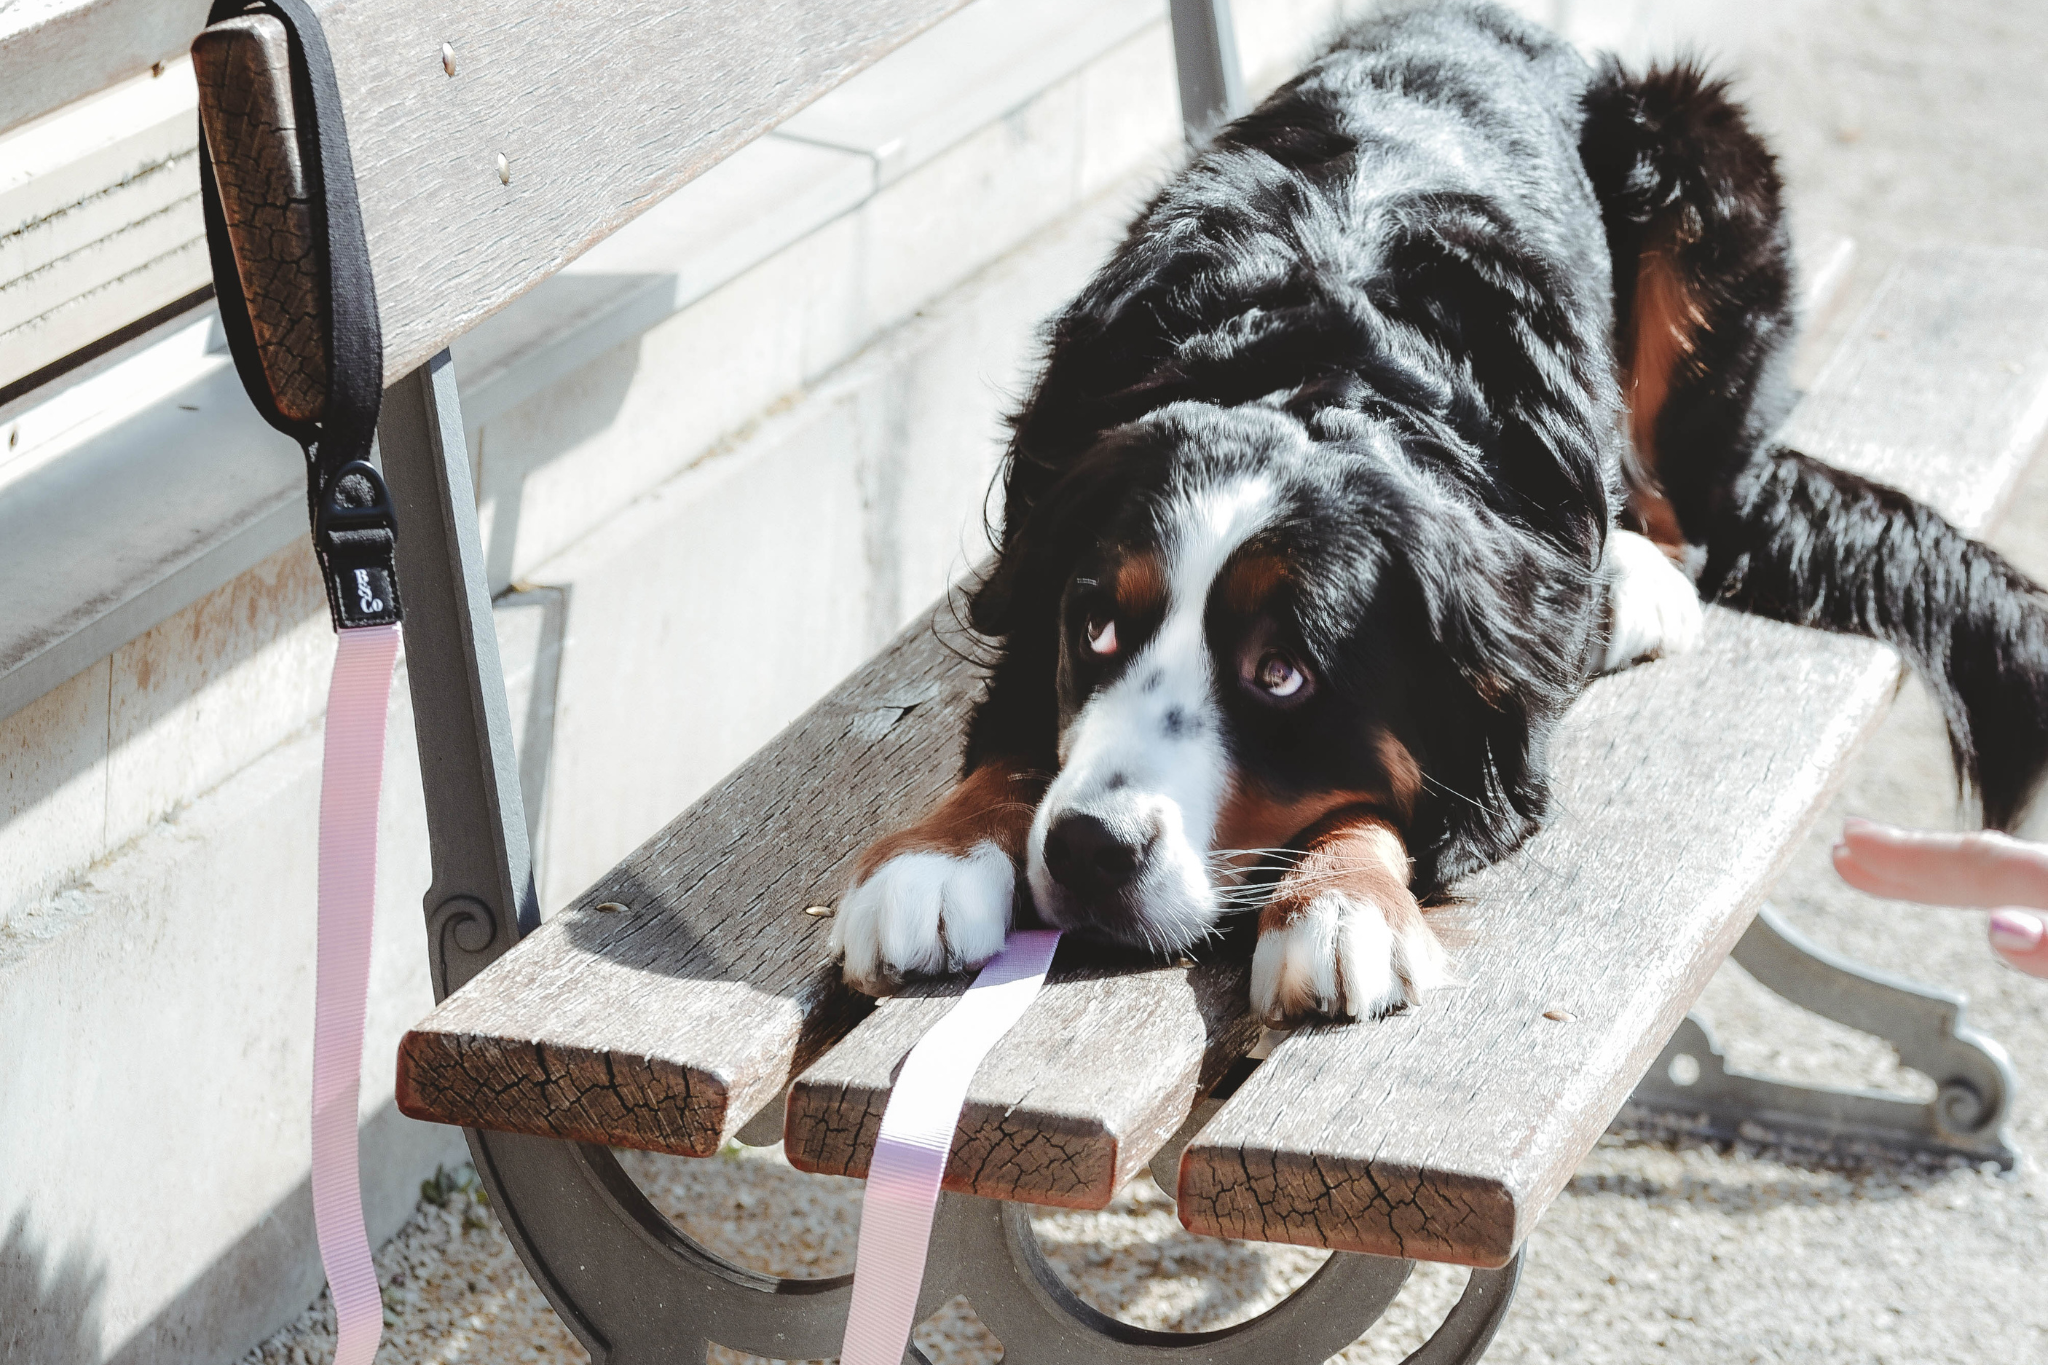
(1924, 1024)
(1960, 1109)
(469, 927)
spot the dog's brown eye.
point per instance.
(1102, 634)
(1278, 676)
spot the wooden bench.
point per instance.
(682, 993)
(686, 999)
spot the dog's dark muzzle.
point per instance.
(1094, 859)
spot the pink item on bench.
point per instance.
(357, 701)
(910, 1150)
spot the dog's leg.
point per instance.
(1342, 936)
(935, 896)
(1652, 607)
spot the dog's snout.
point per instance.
(1090, 857)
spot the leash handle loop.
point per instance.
(273, 108)
(332, 415)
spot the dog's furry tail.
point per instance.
(1802, 542)
(1704, 326)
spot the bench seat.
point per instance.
(687, 990)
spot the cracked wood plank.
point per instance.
(1683, 785)
(596, 112)
(243, 67)
(1100, 1071)
(668, 1023)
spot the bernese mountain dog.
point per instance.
(1387, 427)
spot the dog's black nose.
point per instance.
(1089, 858)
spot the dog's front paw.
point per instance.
(1340, 957)
(1654, 610)
(924, 913)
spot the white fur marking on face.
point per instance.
(1654, 609)
(1148, 751)
(925, 913)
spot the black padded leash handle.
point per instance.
(354, 528)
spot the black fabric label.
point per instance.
(366, 597)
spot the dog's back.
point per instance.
(1359, 240)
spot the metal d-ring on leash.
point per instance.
(355, 540)
(910, 1147)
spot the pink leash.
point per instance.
(357, 703)
(910, 1150)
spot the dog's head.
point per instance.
(1254, 625)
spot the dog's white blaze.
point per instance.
(1149, 748)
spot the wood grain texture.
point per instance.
(1444, 1134)
(246, 114)
(598, 110)
(665, 1025)
(1100, 1071)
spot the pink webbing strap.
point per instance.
(910, 1150)
(357, 700)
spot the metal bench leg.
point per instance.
(1205, 56)
(987, 1251)
(633, 1289)
(1973, 1079)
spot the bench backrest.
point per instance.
(494, 144)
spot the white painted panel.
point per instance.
(99, 218)
(987, 60)
(56, 51)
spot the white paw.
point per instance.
(1653, 608)
(924, 914)
(1342, 960)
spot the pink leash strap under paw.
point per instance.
(357, 702)
(910, 1150)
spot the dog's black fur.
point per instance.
(1787, 536)
(1419, 258)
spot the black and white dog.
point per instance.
(1375, 440)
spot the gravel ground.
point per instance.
(1899, 123)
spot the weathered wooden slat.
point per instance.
(1101, 1070)
(1445, 1134)
(667, 1022)
(542, 128)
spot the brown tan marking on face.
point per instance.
(1404, 774)
(1251, 580)
(1255, 818)
(1356, 852)
(1140, 587)
(992, 804)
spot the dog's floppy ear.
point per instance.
(1045, 536)
(1504, 611)
(1016, 604)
